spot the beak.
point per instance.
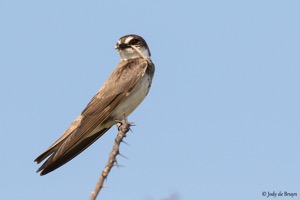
(122, 46)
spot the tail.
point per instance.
(53, 162)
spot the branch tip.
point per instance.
(123, 127)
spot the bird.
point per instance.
(118, 97)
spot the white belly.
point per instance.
(131, 102)
(128, 105)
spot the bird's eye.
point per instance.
(134, 42)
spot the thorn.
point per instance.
(122, 155)
(117, 165)
(125, 142)
(132, 124)
(116, 162)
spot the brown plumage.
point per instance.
(123, 91)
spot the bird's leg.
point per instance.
(124, 125)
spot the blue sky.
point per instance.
(221, 120)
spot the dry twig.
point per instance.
(123, 128)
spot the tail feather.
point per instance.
(48, 152)
(51, 164)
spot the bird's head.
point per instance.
(132, 46)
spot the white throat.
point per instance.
(130, 53)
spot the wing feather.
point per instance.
(120, 83)
(98, 111)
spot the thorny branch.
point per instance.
(123, 128)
